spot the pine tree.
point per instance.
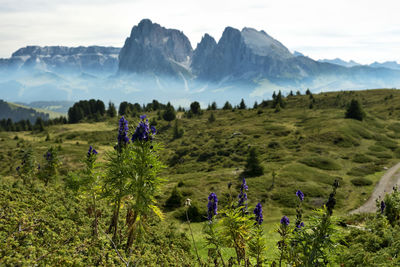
(111, 111)
(253, 167)
(242, 105)
(227, 106)
(178, 132)
(195, 107)
(255, 105)
(211, 119)
(354, 111)
(169, 113)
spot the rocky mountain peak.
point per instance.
(153, 48)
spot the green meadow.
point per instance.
(306, 146)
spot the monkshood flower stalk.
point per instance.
(283, 242)
(383, 206)
(49, 170)
(143, 180)
(243, 195)
(257, 243)
(144, 132)
(123, 129)
(90, 186)
(299, 211)
(209, 229)
(212, 206)
(258, 213)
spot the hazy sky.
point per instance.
(362, 30)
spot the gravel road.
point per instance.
(384, 186)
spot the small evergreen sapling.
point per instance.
(253, 167)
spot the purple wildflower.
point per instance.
(285, 221)
(383, 206)
(91, 151)
(123, 132)
(212, 206)
(300, 195)
(47, 156)
(300, 225)
(258, 212)
(38, 167)
(243, 196)
(18, 168)
(143, 131)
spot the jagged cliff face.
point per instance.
(155, 49)
(162, 63)
(60, 58)
(245, 54)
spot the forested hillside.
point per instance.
(260, 183)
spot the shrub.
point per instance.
(175, 200)
(169, 113)
(361, 181)
(211, 119)
(227, 106)
(195, 108)
(361, 158)
(253, 166)
(364, 170)
(321, 163)
(354, 111)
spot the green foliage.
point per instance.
(175, 200)
(27, 169)
(354, 111)
(211, 118)
(49, 169)
(361, 158)
(277, 100)
(376, 245)
(84, 109)
(227, 106)
(111, 111)
(321, 163)
(242, 105)
(361, 181)
(178, 132)
(253, 167)
(169, 113)
(195, 108)
(392, 210)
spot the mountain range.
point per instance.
(156, 62)
(387, 64)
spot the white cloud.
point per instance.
(363, 30)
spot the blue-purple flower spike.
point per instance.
(243, 196)
(212, 206)
(91, 151)
(285, 220)
(258, 212)
(383, 206)
(123, 131)
(143, 131)
(300, 195)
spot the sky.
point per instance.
(360, 30)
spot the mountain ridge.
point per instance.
(157, 61)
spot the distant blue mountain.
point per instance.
(340, 62)
(160, 63)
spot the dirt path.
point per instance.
(384, 186)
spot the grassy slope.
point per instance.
(52, 114)
(307, 148)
